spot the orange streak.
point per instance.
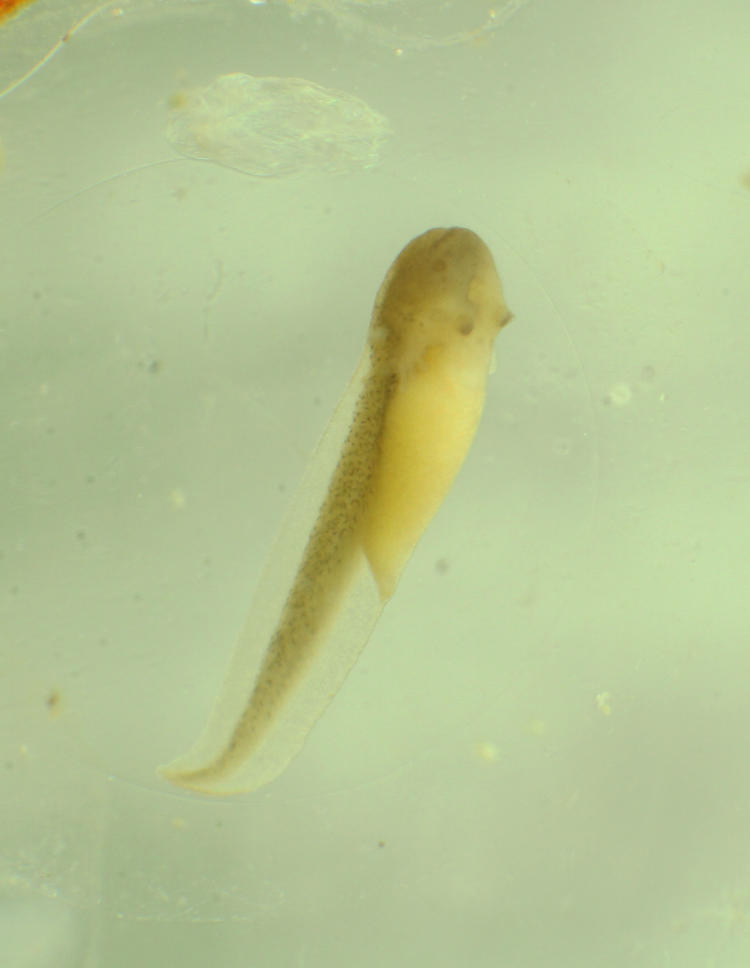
(10, 7)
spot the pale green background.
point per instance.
(173, 338)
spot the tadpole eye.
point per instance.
(466, 328)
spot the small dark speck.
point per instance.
(381, 843)
(81, 535)
(53, 700)
(442, 566)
